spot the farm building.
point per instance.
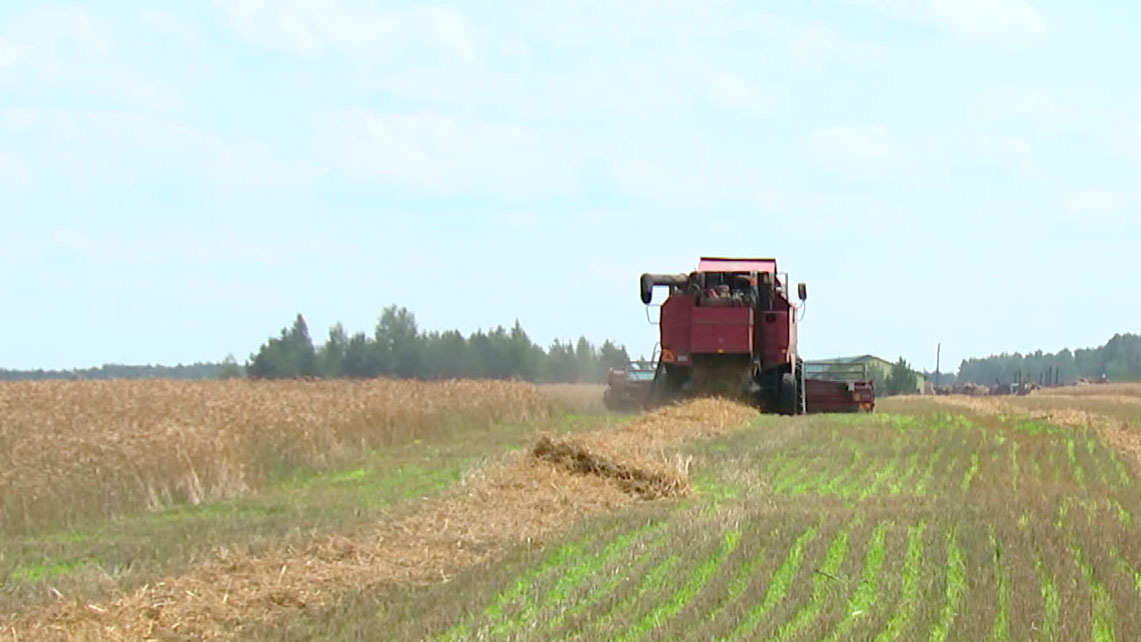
(879, 369)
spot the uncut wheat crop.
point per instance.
(78, 449)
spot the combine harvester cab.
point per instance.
(730, 329)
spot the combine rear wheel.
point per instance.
(801, 404)
(667, 385)
(789, 395)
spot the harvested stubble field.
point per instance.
(947, 519)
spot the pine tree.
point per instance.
(302, 357)
(331, 356)
(398, 343)
(902, 379)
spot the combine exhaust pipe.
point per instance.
(648, 282)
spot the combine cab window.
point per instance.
(727, 289)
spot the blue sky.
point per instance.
(177, 183)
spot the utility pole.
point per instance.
(938, 356)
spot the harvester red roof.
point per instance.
(708, 264)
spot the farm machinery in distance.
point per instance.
(730, 329)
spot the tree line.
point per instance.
(121, 371)
(1119, 360)
(398, 348)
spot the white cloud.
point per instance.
(735, 93)
(14, 170)
(1099, 209)
(67, 239)
(813, 47)
(1013, 22)
(1126, 141)
(66, 51)
(858, 153)
(1065, 117)
(314, 27)
(1012, 153)
(519, 220)
(1045, 110)
(439, 153)
(633, 23)
(188, 245)
(92, 146)
(670, 185)
(14, 55)
(448, 31)
(62, 26)
(515, 50)
(874, 153)
(448, 83)
(245, 163)
(172, 25)
(150, 96)
(828, 214)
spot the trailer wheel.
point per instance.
(788, 394)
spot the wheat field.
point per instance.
(80, 449)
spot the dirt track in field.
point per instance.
(522, 500)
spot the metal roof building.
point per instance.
(879, 369)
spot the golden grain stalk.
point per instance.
(77, 449)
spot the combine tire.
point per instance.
(801, 406)
(789, 398)
(609, 401)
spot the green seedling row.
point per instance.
(909, 590)
(1102, 625)
(956, 587)
(838, 482)
(1075, 467)
(571, 578)
(1051, 601)
(615, 579)
(825, 584)
(970, 473)
(654, 579)
(864, 598)
(1014, 471)
(738, 583)
(1129, 571)
(881, 476)
(558, 559)
(1000, 632)
(900, 482)
(777, 587)
(790, 481)
(928, 473)
(693, 585)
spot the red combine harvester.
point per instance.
(729, 329)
